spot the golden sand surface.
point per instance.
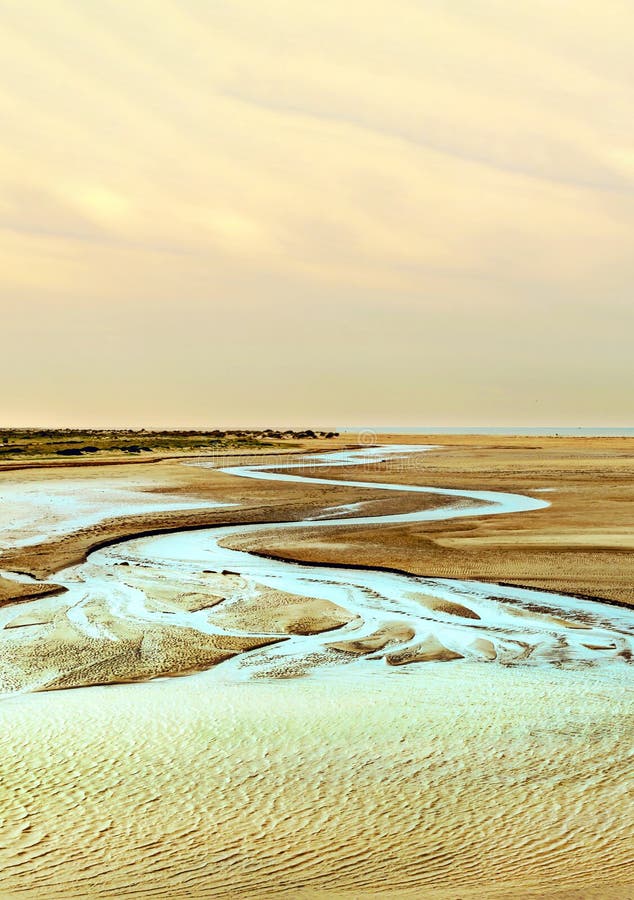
(582, 543)
(433, 776)
(10, 591)
(244, 501)
(436, 781)
(44, 647)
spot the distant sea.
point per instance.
(479, 429)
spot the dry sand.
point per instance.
(439, 781)
(446, 778)
(582, 543)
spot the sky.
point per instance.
(299, 213)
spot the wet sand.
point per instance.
(173, 604)
(208, 497)
(581, 544)
(368, 750)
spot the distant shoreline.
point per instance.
(543, 431)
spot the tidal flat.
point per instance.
(395, 670)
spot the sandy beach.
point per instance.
(316, 450)
(581, 544)
(432, 709)
(449, 783)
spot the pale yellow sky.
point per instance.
(245, 213)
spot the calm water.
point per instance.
(479, 429)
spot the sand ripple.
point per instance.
(178, 603)
(452, 739)
(440, 783)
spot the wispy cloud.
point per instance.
(463, 170)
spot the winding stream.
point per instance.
(416, 618)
